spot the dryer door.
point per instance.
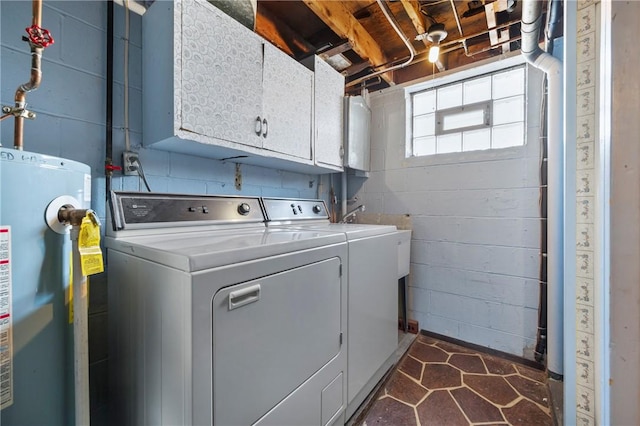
(270, 335)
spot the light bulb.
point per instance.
(434, 52)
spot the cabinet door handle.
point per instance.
(266, 127)
(258, 126)
(243, 297)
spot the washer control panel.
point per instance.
(287, 209)
(137, 209)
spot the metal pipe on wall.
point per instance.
(33, 83)
(552, 67)
(109, 108)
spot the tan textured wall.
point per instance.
(625, 215)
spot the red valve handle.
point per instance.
(39, 36)
(112, 168)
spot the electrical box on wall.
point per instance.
(357, 133)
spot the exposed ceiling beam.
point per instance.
(279, 33)
(337, 17)
(413, 10)
(356, 68)
(335, 50)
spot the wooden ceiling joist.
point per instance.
(337, 17)
(273, 29)
(413, 11)
(335, 50)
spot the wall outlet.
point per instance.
(413, 326)
(130, 163)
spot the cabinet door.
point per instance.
(328, 122)
(287, 97)
(221, 75)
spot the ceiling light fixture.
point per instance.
(435, 34)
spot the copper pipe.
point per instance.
(37, 12)
(32, 84)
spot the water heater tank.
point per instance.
(36, 335)
(357, 128)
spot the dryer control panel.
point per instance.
(131, 210)
(289, 209)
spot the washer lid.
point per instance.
(196, 251)
(352, 230)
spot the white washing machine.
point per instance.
(372, 302)
(215, 319)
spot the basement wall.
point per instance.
(476, 227)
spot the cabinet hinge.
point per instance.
(340, 338)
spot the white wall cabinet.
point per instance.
(288, 90)
(213, 88)
(327, 114)
(221, 76)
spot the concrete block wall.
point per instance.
(476, 228)
(71, 105)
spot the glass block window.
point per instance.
(480, 113)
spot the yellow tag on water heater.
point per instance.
(89, 245)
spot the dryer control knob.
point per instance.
(244, 209)
(317, 209)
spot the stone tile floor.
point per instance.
(440, 383)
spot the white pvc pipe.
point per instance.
(552, 67)
(570, 101)
(80, 336)
(343, 195)
(555, 214)
(603, 318)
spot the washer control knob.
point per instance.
(317, 209)
(244, 209)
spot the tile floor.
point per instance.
(439, 383)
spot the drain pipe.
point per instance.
(552, 67)
(343, 195)
(71, 216)
(554, 23)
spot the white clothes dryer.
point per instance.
(216, 319)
